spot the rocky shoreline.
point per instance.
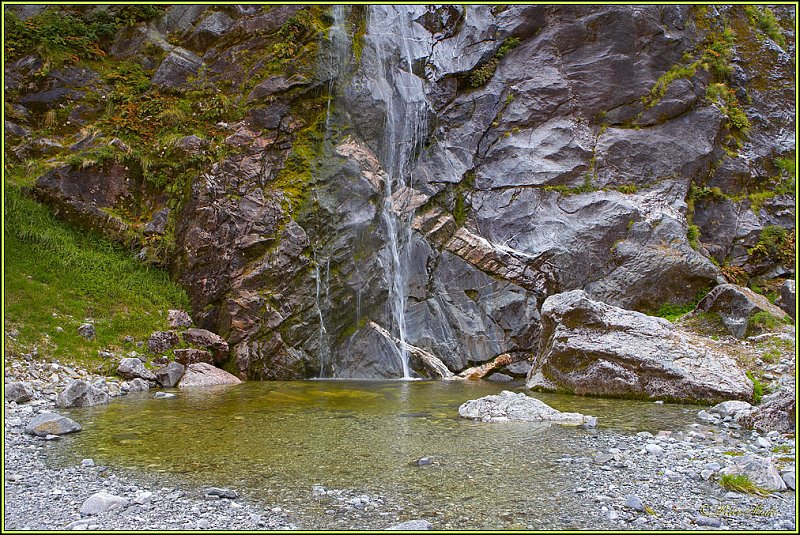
(627, 481)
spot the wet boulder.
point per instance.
(736, 306)
(590, 348)
(169, 375)
(508, 406)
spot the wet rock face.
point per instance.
(589, 347)
(542, 165)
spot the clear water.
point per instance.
(272, 441)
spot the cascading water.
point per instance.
(389, 29)
(339, 59)
(322, 298)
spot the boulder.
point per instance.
(786, 300)
(221, 493)
(50, 423)
(730, 408)
(88, 331)
(736, 305)
(759, 470)
(202, 374)
(161, 341)
(19, 392)
(158, 223)
(208, 340)
(101, 502)
(176, 70)
(589, 347)
(516, 407)
(169, 375)
(138, 385)
(131, 367)
(178, 318)
(190, 356)
(81, 394)
(776, 413)
(209, 30)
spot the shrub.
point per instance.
(764, 20)
(758, 388)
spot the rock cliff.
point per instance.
(307, 172)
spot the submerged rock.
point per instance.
(588, 347)
(516, 407)
(50, 423)
(202, 374)
(736, 305)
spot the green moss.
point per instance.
(672, 311)
(764, 19)
(484, 72)
(359, 15)
(758, 388)
(693, 236)
(676, 72)
(586, 187)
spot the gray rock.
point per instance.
(161, 341)
(500, 378)
(131, 368)
(711, 522)
(101, 502)
(786, 301)
(18, 392)
(221, 492)
(634, 502)
(188, 356)
(202, 374)
(50, 423)
(411, 525)
(654, 449)
(209, 30)
(157, 225)
(178, 318)
(164, 395)
(788, 478)
(81, 394)
(138, 385)
(759, 470)
(143, 497)
(736, 305)
(87, 330)
(87, 463)
(516, 407)
(192, 146)
(169, 375)
(588, 347)
(730, 408)
(776, 413)
(176, 69)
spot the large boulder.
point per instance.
(176, 70)
(759, 470)
(208, 340)
(517, 407)
(786, 300)
(19, 392)
(131, 367)
(81, 394)
(50, 423)
(169, 375)
(161, 341)
(736, 306)
(202, 374)
(776, 413)
(209, 30)
(588, 347)
(191, 355)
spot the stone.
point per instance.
(143, 497)
(788, 479)
(50, 423)
(186, 356)
(132, 367)
(164, 395)
(736, 305)
(169, 375)
(592, 348)
(654, 449)
(138, 384)
(207, 340)
(161, 341)
(209, 30)
(87, 463)
(178, 318)
(202, 374)
(759, 470)
(730, 408)
(411, 525)
(87, 330)
(18, 392)
(632, 501)
(775, 413)
(176, 70)
(157, 226)
(81, 394)
(786, 300)
(500, 378)
(709, 521)
(101, 502)
(221, 492)
(516, 407)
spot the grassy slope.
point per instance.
(58, 276)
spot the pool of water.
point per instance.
(273, 441)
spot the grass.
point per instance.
(673, 311)
(764, 20)
(758, 388)
(741, 483)
(57, 276)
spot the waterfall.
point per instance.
(389, 29)
(322, 300)
(339, 54)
